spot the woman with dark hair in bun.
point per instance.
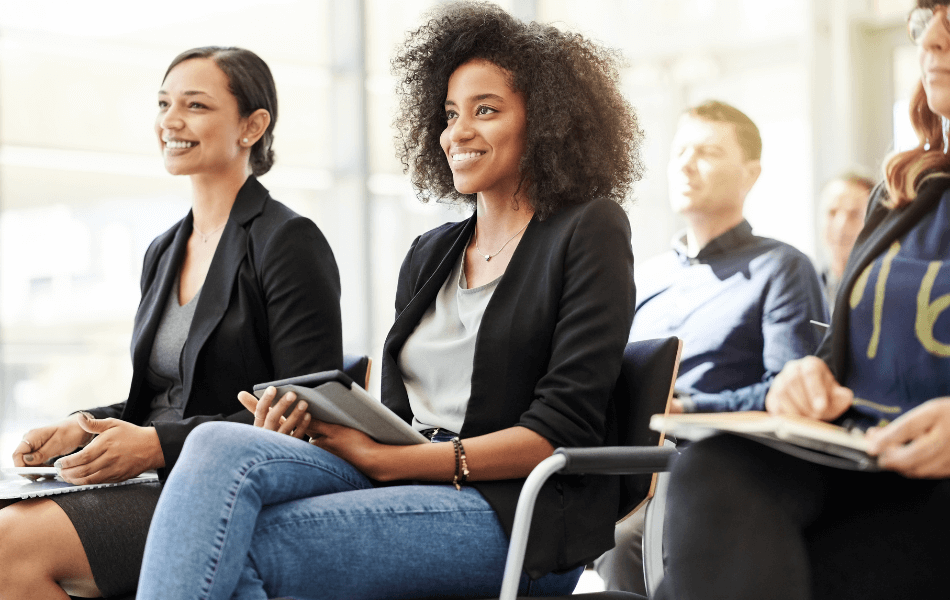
(509, 334)
(241, 290)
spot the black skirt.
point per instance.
(112, 524)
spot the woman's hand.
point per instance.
(119, 451)
(355, 447)
(917, 444)
(806, 388)
(44, 443)
(268, 415)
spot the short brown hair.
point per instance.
(746, 132)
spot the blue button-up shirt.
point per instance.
(742, 307)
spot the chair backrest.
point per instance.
(644, 388)
(357, 367)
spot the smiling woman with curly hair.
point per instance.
(582, 139)
(509, 334)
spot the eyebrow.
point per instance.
(478, 98)
(710, 146)
(188, 93)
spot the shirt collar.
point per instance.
(735, 238)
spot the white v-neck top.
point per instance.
(436, 360)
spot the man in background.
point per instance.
(741, 303)
(844, 202)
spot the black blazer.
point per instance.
(881, 227)
(547, 356)
(269, 309)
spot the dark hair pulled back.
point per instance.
(251, 84)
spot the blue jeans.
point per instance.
(251, 514)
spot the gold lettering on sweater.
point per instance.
(857, 292)
(928, 312)
(879, 297)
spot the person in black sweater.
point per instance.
(747, 521)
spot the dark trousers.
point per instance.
(746, 521)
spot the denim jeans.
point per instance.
(251, 514)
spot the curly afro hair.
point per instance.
(583, 139)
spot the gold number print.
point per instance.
(928, 312)
(879, 297)
(857, 292)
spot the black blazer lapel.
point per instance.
(152, 306)
(509, 302)
(407, 320)
(395, 390)
(219, 283)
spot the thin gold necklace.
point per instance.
(207, 236)
(488, 257)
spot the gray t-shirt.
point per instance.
(164, 373)
(436, 360)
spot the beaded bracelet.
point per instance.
(461, 465)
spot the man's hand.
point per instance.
(806, 388)
(917, 444)
(120, 451)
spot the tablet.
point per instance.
(332, 397)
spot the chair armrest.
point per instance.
(612, 460)
(615, 460)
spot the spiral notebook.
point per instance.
(14, 486)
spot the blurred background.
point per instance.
(83, 190)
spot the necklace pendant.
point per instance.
(487, 257)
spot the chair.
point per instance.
(644, 388)
(357, 368)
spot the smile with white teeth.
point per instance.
(179, 145)
(466, 156)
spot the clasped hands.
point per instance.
(112, 450)
(916, 444)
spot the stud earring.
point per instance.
(245, 140)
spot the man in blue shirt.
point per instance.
(742, 304)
